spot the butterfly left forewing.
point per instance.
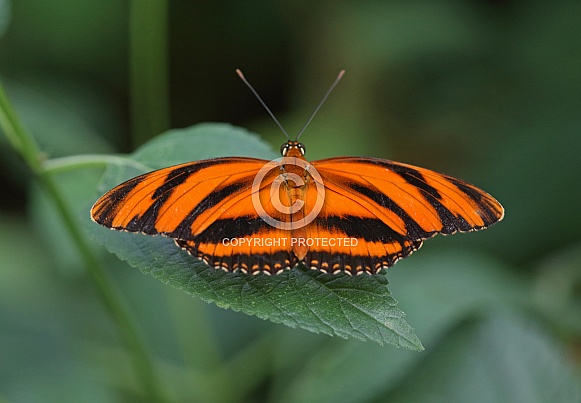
(206, 206)
(161, 201)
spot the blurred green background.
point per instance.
(487, 91)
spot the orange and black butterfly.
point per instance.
(348, 214)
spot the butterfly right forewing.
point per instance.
(426, 201)
(390, 208)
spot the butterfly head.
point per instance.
(292, 149)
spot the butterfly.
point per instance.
(348, 215)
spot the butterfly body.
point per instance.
(347, 214)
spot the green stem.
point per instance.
(26, 146)
(23, 144)
(149, 68)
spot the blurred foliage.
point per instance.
(487, 91)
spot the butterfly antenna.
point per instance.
(261, 101)
(322, 102)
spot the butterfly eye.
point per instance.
(284, 149)
(301, 148)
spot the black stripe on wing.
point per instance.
(333, 263)
(486, 207)
(267, 263)
(105, 209)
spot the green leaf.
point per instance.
(337, 305)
